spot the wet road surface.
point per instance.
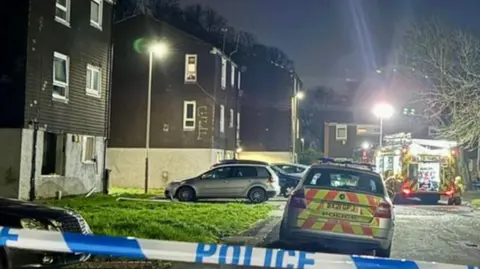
(439, 233)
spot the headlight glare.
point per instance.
(32, 224)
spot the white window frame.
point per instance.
(194, 118)
(232, 115)
(232, 74)
(84, 149)
(91, 91)
(224, 73)
(66, 9)
(100, 14)
(339, 127)
(187, 71)
(222, 119)
(61, 83)
(238, 126)
(239, 79)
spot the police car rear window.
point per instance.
(344, 179)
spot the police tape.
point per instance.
(200, 253)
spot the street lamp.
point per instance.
(382, 111)
(298, 96)
(160, 50)
(365, 145)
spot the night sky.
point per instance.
(331, 40)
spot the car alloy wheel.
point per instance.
(257, 196)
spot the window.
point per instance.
(60, 76)
(233, 76)
(222, 119)
(93, 80)
(218, 173)
(345, 180)
(224, 73)
(238, 127)
(232, 115)
(190, 68)
(245, 172)
(189, 108)
(238, 80)
(96, 12)
(53, 160)
(88, 152)
(62, 11)
(341, 131)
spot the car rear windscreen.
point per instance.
(344, 179)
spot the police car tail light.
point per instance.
(384, 210)
(271, 180)
(297, 199)
(406, 191)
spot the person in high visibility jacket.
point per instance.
(459, 186)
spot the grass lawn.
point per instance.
(195, 222)
(476, 203)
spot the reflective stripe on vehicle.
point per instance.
(340, 226)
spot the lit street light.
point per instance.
(295, 126)
(382, 111)
(160, 50)
(365, 145)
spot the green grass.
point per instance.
(476, 203)
(194, 222)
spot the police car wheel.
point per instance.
(257, 195)
(457, 201)
(186, 194)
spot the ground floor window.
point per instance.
(53, 161)
(88, 152)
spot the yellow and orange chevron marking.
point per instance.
(340, 226)
(312, 217)
(334, 196)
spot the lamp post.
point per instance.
(157, 49)
(298, 96)
(382, 111)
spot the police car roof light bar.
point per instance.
(346, 163)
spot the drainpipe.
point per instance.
(33, 168)
(108, 110)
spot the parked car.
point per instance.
(238, 161)
(20, 214)
(288, 182)
(291, 168)
(342, 206)
(256, 182)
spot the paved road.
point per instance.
(437, 233)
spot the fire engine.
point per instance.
(427, 168)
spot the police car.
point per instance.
(340, 205)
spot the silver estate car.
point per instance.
(341, 206)
(255, 182)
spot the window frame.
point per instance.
(231, 120)
(232, 74)
(239, 80)
(340, 127)
(84, 147)
(91, 91)
(222, 119)
(194, 118)
(223, 79)
(99, 24)
(187, 56)
(66, 9)
(64, 57)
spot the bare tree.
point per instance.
(450, 59)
